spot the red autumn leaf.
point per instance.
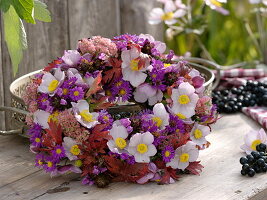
(178, 139)
(47, 140)
(52, 65)
(195, 167)
(169, 173)
(95, 86)
(101, 103)
(55, 131)
(114, 73)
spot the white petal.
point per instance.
(41, 117)
(151, 150)
(137, 78)
(179, 13)
(182, 165)
(186, 88)
(147, 138)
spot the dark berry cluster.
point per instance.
(255, 162)
(251, 94)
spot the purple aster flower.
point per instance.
(122, 89)
(98, 170)
(170, 56)
(87, 181)
(157, 77)
(58, 152)
(158, 64)
(35, 129)
(50, 164)
(39, 160)
(159, 140)
(148, 125)
(36, 139)
(105, 118)
(76, 93)
(175, 125)
(122, 41)
(168, 153)
(128, 158)
(43, 101)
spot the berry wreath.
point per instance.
(81, 121)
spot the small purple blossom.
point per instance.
(175, 125)
(122, 89)
(76, 93)
(36, 135)
(87, 181)
(170, 56)
(168, 153)
(159, 140)
(98, 170)
(105, 118)
(50, 164)
(39, 160)
(58, 152)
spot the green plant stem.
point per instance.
(253, 38)
(204, 49)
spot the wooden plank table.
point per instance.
(220, 179)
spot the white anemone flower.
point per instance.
(252, 139)
(160, 116)
(118, 143)
(71, 57)
(198, 134)
(217, 5)
(141, 147)
(134, 64)
(184, 100)
(169, 14)
(258, 1)
(41, 117)
(74, 73)
(183, 155)
(50, 83)
(82, 114)
(146, 92)
(71, 148)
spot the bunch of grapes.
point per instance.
(256, 162)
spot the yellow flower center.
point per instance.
(49, 164)
(88, 117)
(65, 91)
(122, 92)
(106, 118)
(58, 151)
(78, 163)
(75, 150)
(44, 100)
(53, 117)
(167, 16)
(184, 157)
(158, 121)
(142, 148)
(76, 93)
(108, 93)
(118, 83)
(167, 65)
(181, 116)
(37, 140)
(216, 3)
(40, 162)
(183, 99)
(120, 142)
(167, 153)
(53, 85)
(198, 134)
(134, 65)
(254, 144)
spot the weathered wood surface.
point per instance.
(220, 178)
(71, 21)
(2, 115)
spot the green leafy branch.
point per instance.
(14, 11)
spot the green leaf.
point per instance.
(15, 37)
(40, 11)
(4, 5)
(24, 9)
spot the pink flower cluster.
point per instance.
(97, 44)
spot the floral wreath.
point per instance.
(72, 128)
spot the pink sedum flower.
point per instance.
(184, 100)
(252, 139)
(183, 155)
(134, 64)
(141, 147)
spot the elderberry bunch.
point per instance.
(233, 100)
(256, 162)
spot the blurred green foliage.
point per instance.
(225, 37)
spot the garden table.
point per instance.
(220, 179)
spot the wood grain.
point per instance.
(94, 17)
(134, 18)
(220, 178)
(2, 114)
(46, 41)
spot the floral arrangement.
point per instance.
(73, 127)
